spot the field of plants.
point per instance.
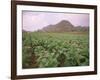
(40, 50)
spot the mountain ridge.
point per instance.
(63, 26)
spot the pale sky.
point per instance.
(37, 20)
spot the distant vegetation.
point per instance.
(59, 45)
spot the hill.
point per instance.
(64, 26)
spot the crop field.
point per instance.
(43, 50)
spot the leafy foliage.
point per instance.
(54, 49)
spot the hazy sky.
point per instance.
(37, 20)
